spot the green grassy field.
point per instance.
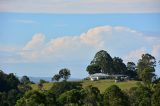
(101, 84)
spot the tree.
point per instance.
(104, 61)
(8, 82)
(32, 98)
(140, 96)
(156, 96)
(146, 68)
(91, 96)
(131, 66)
(131, 70)
(61, 87)
(25, 80)
(50, 99)
(9, 92)
(119, 66)
(93, 68)
(113, 96)
(64, 73)
(12, 96)
(70, 98)
(3, 99)
(147, 75)
(24, 88)
(56, 77)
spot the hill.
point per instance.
(101, 84)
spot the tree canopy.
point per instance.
(146, 68)
(25, 80)
(64, 73)
(93, 68)
(113, 96)
(104, 61)
(119, 66)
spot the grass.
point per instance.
(46, 86)
(100, 84)
(104, 84)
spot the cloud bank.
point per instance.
(80, 6)
(119, 41)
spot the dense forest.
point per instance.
(18, 92)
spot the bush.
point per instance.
(60, 87)
(113, 96)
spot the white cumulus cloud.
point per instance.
(36, 42)
(119, 41)
(134, 55)
(32, 49)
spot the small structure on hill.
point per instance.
(98, 76)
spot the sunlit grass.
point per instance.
(100, 84)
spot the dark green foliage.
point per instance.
(9, 91)
(140, 96)
(9, 98)
(91, 96)
(12, 96)
(147, 74)
(64, 73)
(147, 62)
(32, 98)
(104, 61)
(72, 97)
(131, 66)
(131, 70)
(93, 68)
(24, 88)
(60, 87)
(8, 82)
(56, 77)
(156, 95)
(3, 99)
(119, 66)
(50, 99)
(113, 96)
(25, 80)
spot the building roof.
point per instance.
(99, 75)
(106, 75)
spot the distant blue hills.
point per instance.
(37, 79)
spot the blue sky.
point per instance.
(40, 41)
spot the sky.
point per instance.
(40, 37)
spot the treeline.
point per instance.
(15, 92)
(104, 63)
(18, 92)
(12, 89)
(66, 93)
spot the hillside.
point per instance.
(101, 84)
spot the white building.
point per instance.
(98, 76)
